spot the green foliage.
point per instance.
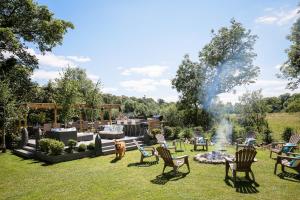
(225, 62)
(91, 146)
(45, 144)
(267, 136)
(82, 148)
(56, 147)
(156, 131)
(37, 117)
(171, 114)
(293, 106)
(287, 133)
(290, 70)
(168, 131)
(23, 22)
(71, 143)
(253, 112)
(176, 132)
(187, 133)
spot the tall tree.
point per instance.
(290, 70)
(23, 21)
(225, 62)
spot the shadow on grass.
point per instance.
(289, 176)
(245, 186)
(143, 164)
(169, 176)
(115, 160)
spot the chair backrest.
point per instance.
(244, 158)
(160, 138)
(295, 138)
(165, 155)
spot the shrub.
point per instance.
(45, 144)
(187, 133)
(155, 131)
(168, 131)
(56, 147)
(176, 132)
(91, 146)
(81, 148)
(267, 136)
(288, 131)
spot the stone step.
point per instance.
(23, 153)
(29, 148)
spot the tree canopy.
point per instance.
(290, 70)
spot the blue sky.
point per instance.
(135, 47)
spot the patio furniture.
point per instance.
(241, 163)
(63, 134)
(200, 141)
(179, 145)
(292, 162)
(162, 141)
(248, 143)
(282, 147)
(169, 161)
(146, 152)
(85, 136)
(112, 132)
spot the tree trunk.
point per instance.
(3, 145)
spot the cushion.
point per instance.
(145, 153)
(295, 162)
(201, 140)
(250, 141)
(288, 147)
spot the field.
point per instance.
(103, 178)
(278, 121)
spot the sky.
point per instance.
(135, 47)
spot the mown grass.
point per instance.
(103, 178)
(279, 121)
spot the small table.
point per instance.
(181, 144)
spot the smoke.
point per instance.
(223, 136)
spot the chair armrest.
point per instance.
(295, 154)
(181, 157)
(274, 143)
(229, 159)
(287, 157)
(149, 148)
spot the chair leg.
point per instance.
(234, 177)
(195, 147)
(187, 163)
(252, 174)
(282, 168)
(157, 158)
(142, 158)
(164, 169)
(275, 168)
(270, 154)
(226, 170)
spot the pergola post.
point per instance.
(55, 116)
(109, 113)
(80, 121)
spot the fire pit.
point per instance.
(214, 157)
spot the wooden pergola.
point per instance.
(56, 107)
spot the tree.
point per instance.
(24, 21)
(225, 62)
(253, 111)
(290, 70)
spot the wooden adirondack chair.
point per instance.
(175, 163)
(203, 143)
(285, 161)
(278, 147)
(162, 141)
(146, 152)
(241, 163)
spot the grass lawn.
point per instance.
(100, 178)
(278, 121)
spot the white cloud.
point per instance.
(172, 98)
(109, 89)
(269, 88)
(279, 17)
(80, 59)
(150, 71)
(93, 77)
(144, 85)
(278, 66)
(41, 74)
(51, 60)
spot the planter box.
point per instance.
(64, 157)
